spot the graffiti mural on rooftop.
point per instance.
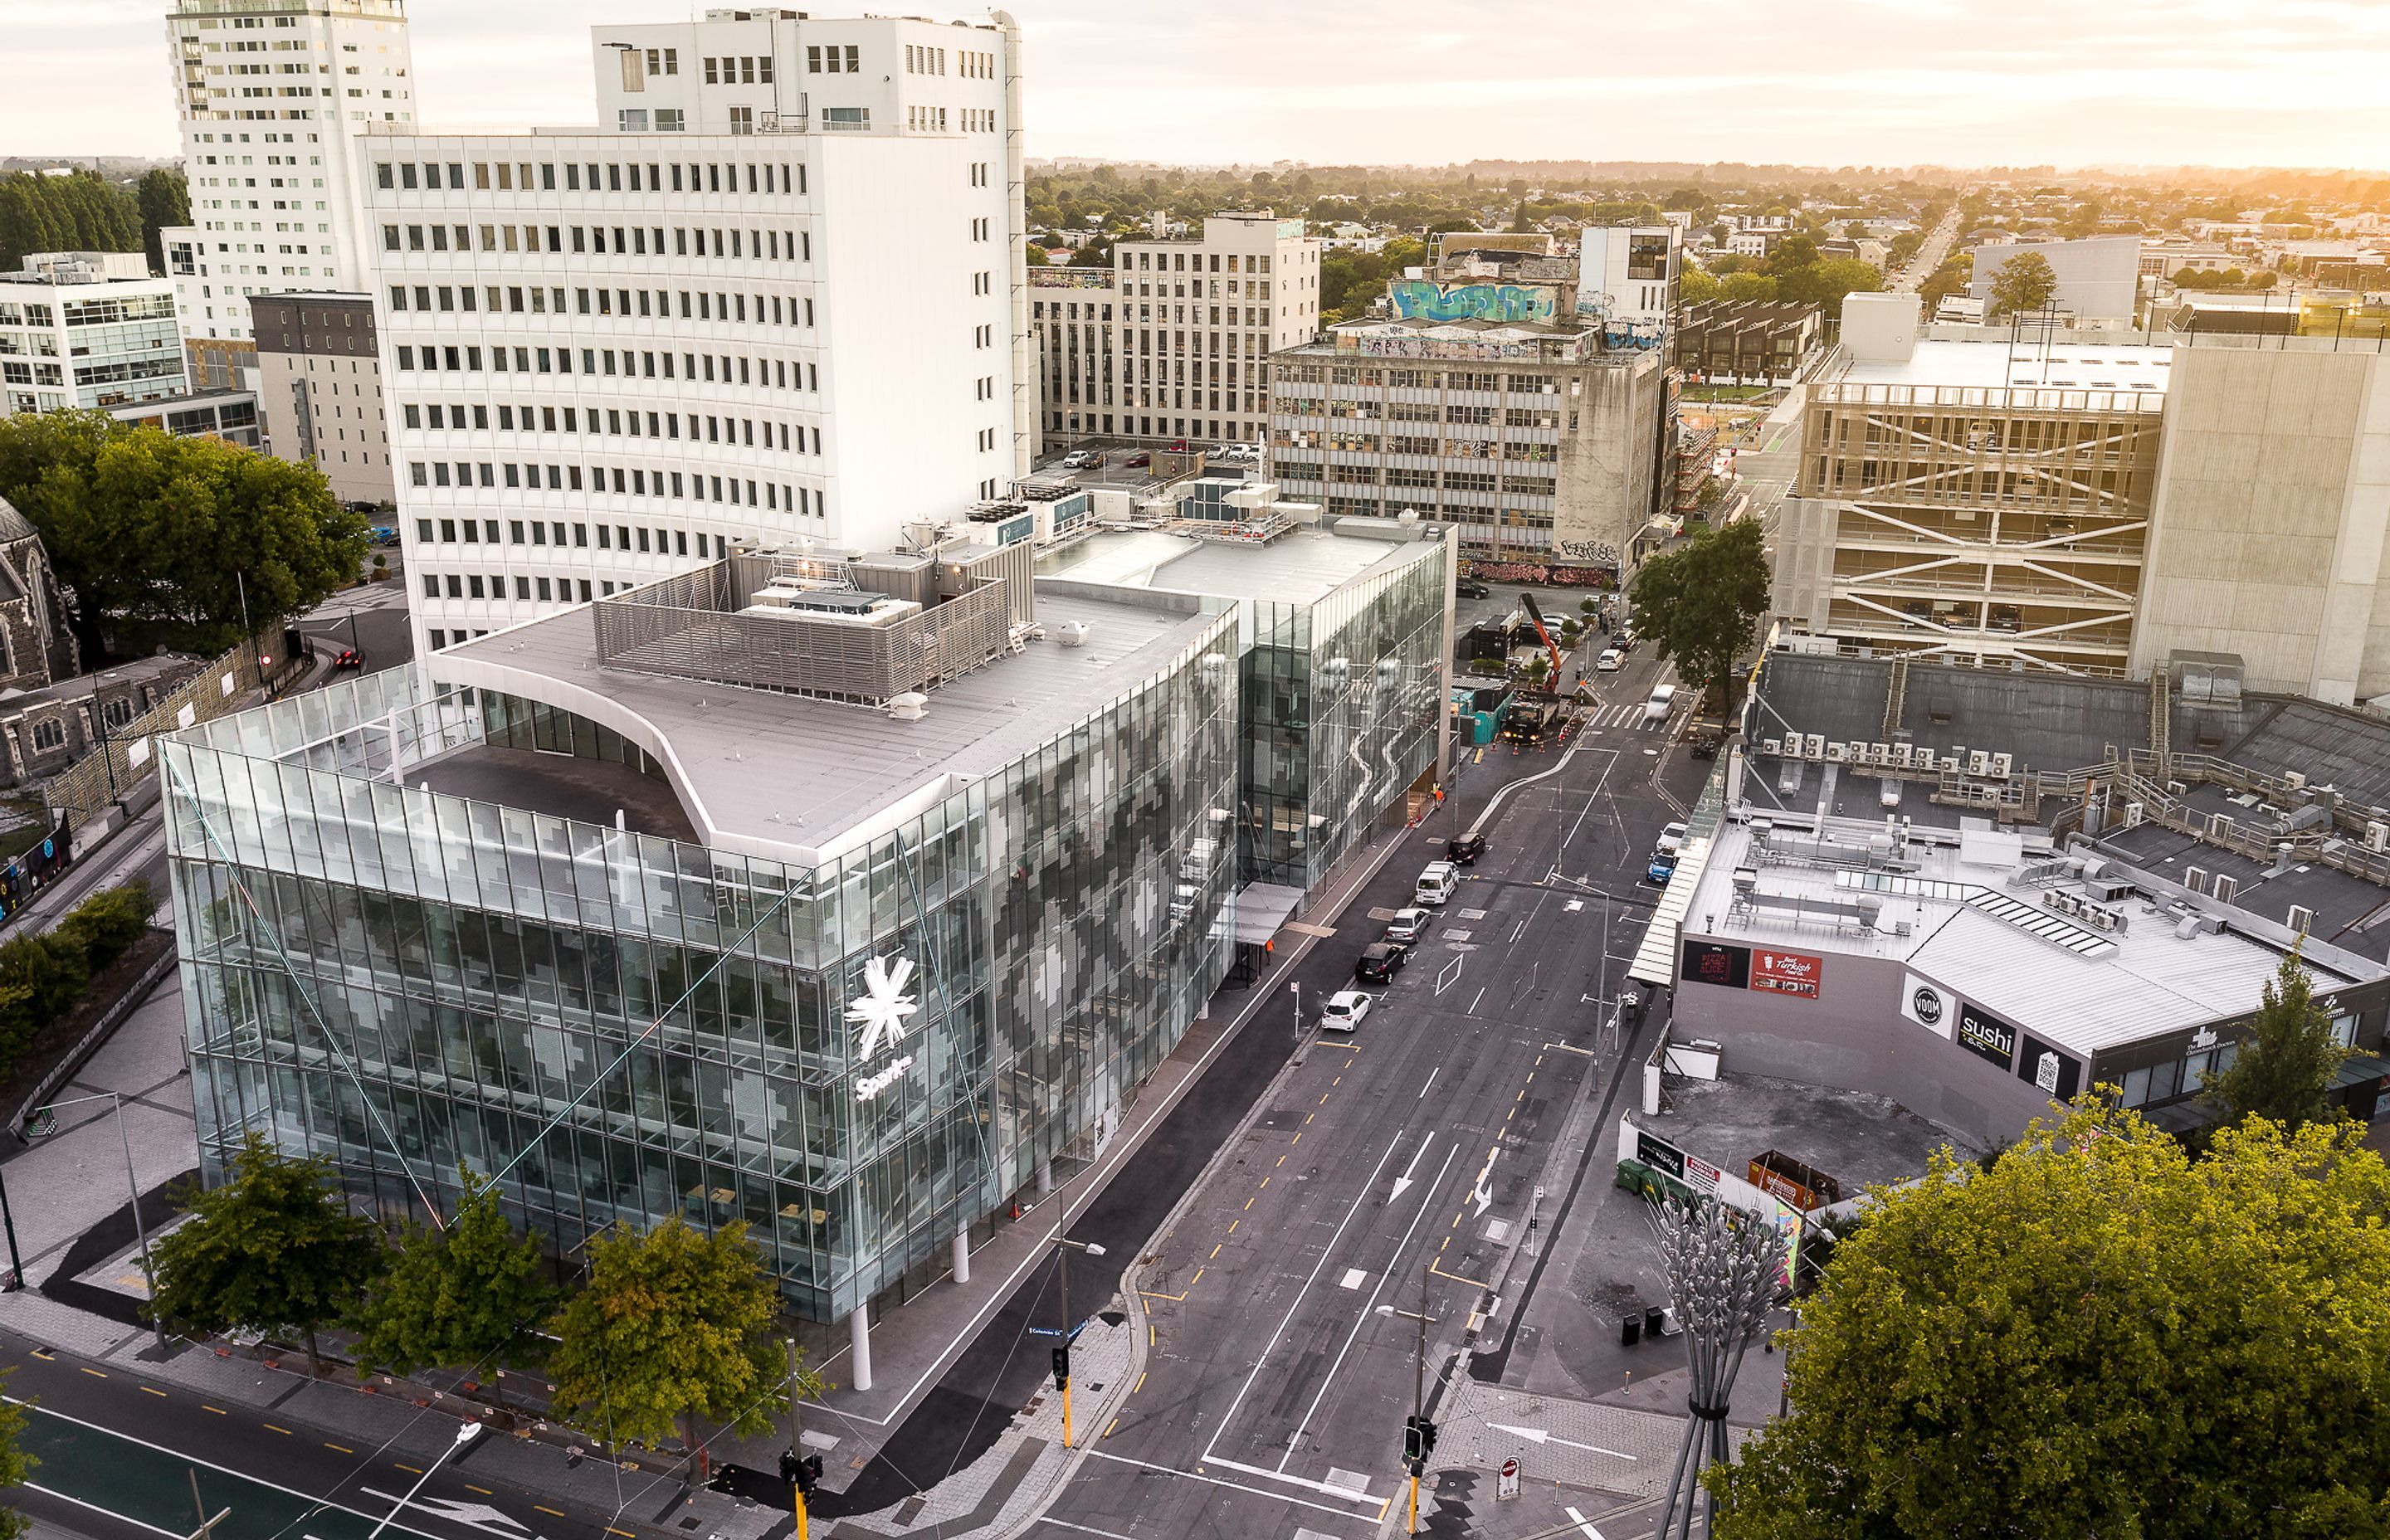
(1417, 299)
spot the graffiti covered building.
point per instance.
(1534, 439)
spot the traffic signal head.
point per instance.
(809, 1473)
(1414, 1438)
(1061, 1369)
(789, 1465)
(1427, 1436)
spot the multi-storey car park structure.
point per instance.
(611, 352)
(271, 94)
(836, 894)
(1975, 499)
(87, 328)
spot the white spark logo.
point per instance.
(884, 1005)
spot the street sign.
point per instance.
(1508, 1484)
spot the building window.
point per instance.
(49, 733)
(742, 120)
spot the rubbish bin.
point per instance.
(1654, 1320)
(1630, 1331)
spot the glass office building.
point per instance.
(1344, 635)
(848, 974)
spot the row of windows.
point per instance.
(1419, 380)
(761, 245)
(742, 70)
(695, 304)
(539, 532)
(1452, 480)
(775, 374)
(616, 423)
(628, 481)
(1159, 262)
(701, 176)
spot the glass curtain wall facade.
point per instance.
(630, 1028)
(1344, 699)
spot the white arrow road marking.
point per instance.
(1402, 1183)
(1537, 1435)
(1485, 1193)
(1588, 1529)
(479, 1515)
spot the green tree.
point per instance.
(15, 1466)
(1954, 275)
(2097, 1336)
(674, 1326)
(1747, 285)
(78, 213)
(160, 537)
(1695, 286)
(2025, 283)
(461, 1298)
(165, 202)
(2283, 1069)
(273, 1249)
(1699, 604)
(1095, 253)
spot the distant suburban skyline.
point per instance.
(1963, 82)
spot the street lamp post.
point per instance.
(9, 1222)
(1063, 1247)
(140, 1229)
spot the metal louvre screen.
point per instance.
(697, 625)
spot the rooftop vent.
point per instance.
(911, 706)
(1072, 633)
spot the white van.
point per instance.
(1436, 883)
(1662, 701)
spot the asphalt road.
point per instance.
(118, 1456)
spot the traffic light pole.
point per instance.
(1419, 1392)
(1063, 1286)
(797, 1446)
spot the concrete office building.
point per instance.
(611, 352)
(231, 416)
(1533, 439)
(1197, 322)
(2099, 279)
(319, 385)
(1628, 275)
(272, 96)
(87, 328)
(1071, 314)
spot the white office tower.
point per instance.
(271, 94)
(774, 296)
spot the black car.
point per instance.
(1470, 588)
(1463, 850)
(1380, 961)
(348, 658)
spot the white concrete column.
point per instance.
(859, 1328)
(962, 1259)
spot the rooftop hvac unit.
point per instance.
(2132, 814)
(2000, 763)
(2176, 788)
(2219, 826)
(2226, 887)
(2301, 919)
(2293, 779)
(1816, 746)
(2195, 878)
(1072, 634)
(1837, 753)
(1978, 763)
(1773, 746)
(2377, 835)
(911, 706)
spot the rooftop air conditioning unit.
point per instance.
(2226, 887)
(2132, 814)
(2195, 878)
(2000, 766)
(1775, 746)
(2301, 919)
(2377, 835)
(2219, 826)
(1816, 746)
(1978, 763)
(2293, 779)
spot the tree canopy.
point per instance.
(15, 1464)
(2097, 1336)
(673, 1326)
(79, 213)
(2025, 283)
(463, 1298)
(1697, 605)
(164, 200)
(2284, 1068)
(153, 536)
(274, 1249)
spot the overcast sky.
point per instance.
(2298, 82)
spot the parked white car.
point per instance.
(1344, 1010)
